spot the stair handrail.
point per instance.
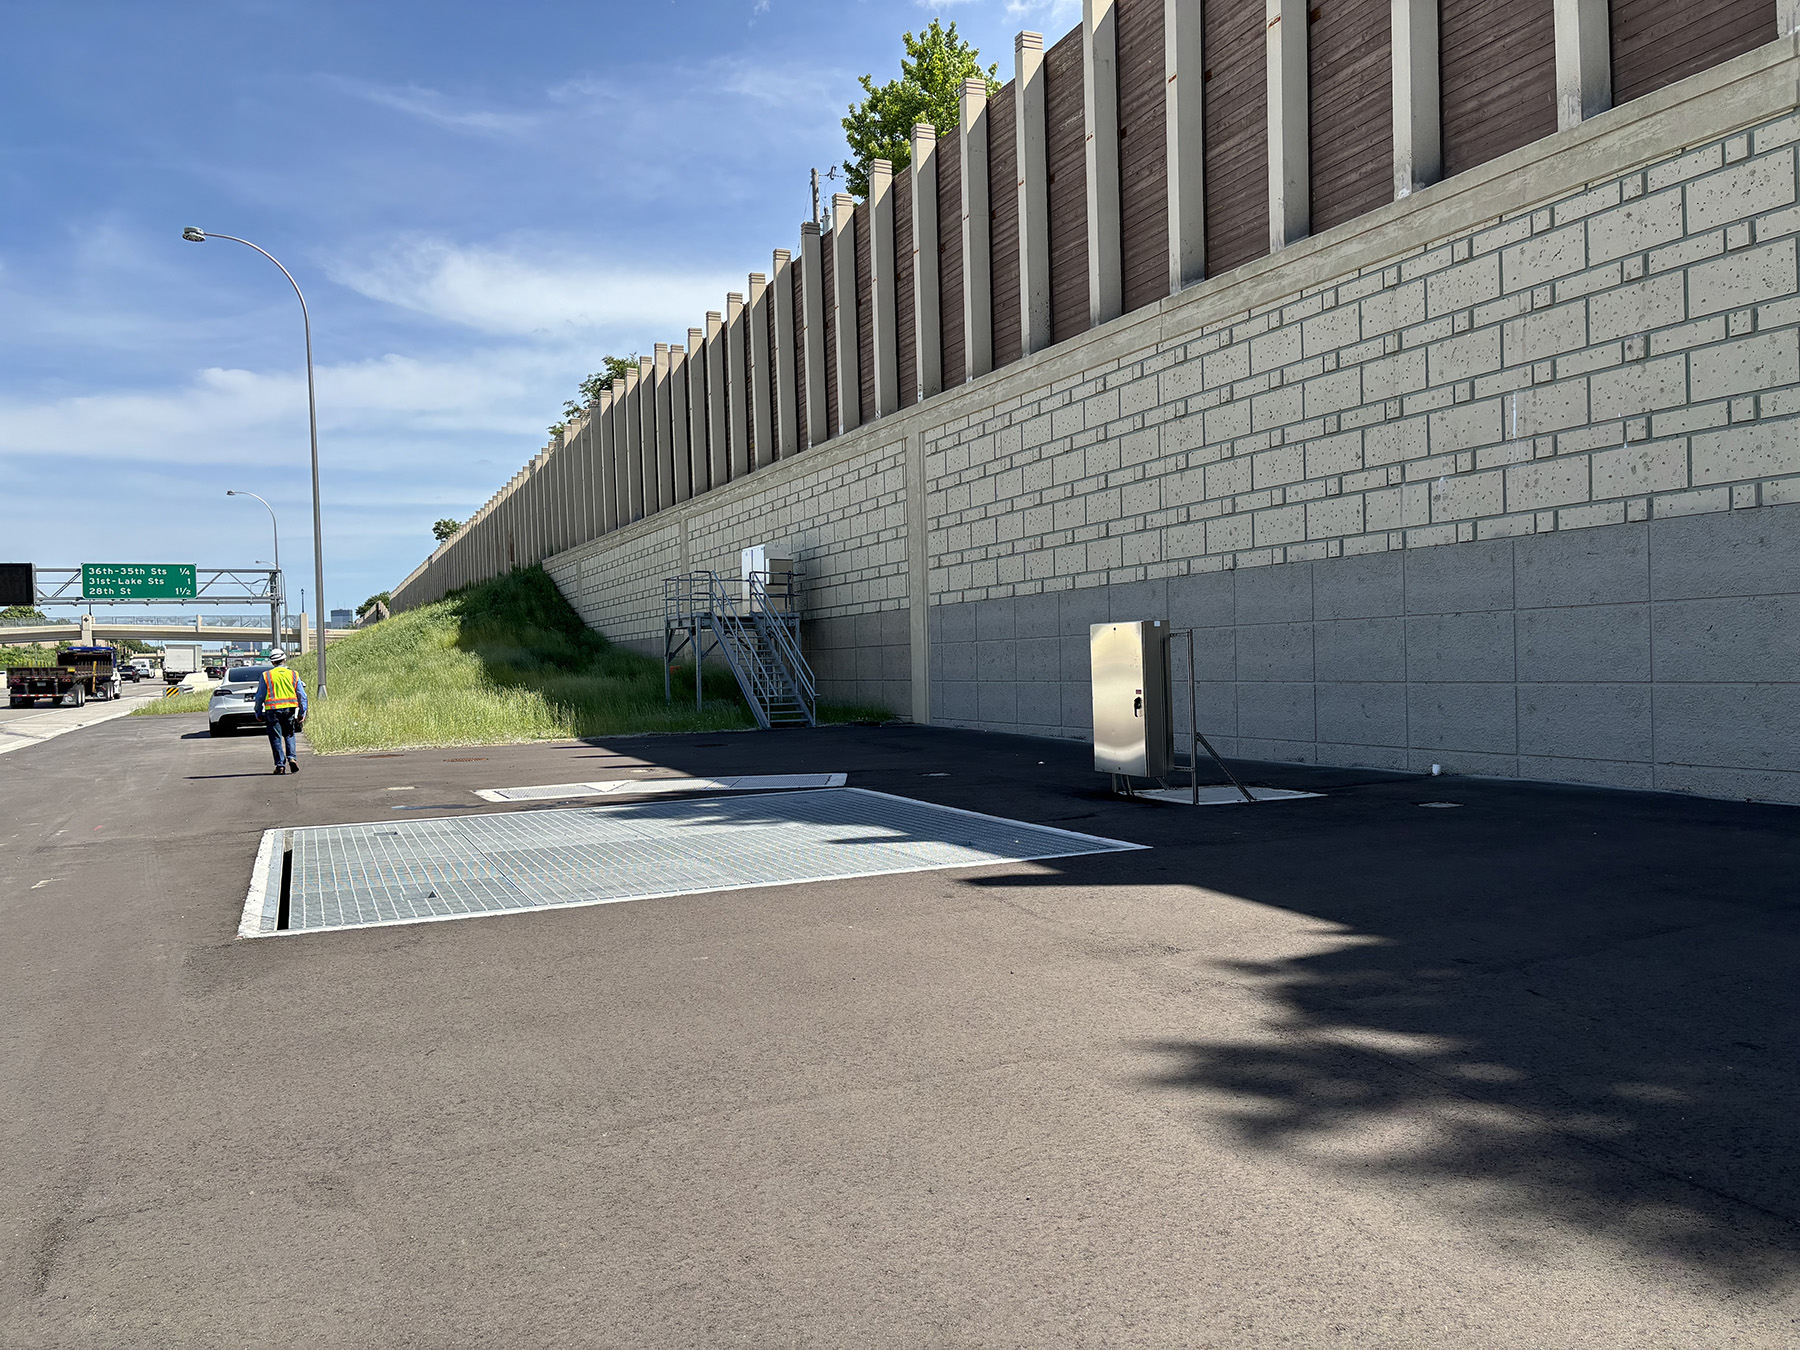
(786, 646)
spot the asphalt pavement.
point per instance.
(20, 727)
(1345, 1071)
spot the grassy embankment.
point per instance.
(507, 660)
(174, 703)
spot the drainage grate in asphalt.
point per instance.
(415, 871)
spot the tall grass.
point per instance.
(174, 703)
(509, 660)
(503, 660)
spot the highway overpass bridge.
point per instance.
(295, 635)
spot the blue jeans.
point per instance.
(280, 722)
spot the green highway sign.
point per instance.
(138, 581)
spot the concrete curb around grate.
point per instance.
(262, 902)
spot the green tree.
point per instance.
(24, 612)
(380, 597)
(444, 528)
(598, 383)
(929, 89)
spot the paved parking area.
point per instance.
(1331, 1071)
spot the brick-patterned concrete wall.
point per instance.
(843, 520)
(1504, 476)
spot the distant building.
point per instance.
(342, 618)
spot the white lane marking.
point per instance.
(655, 787)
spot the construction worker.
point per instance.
(281, 703)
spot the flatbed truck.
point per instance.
(80, 673)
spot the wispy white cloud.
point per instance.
(428, 105)
(219, 414)
(1052, 14)
(518, 292)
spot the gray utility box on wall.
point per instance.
(1134, 729)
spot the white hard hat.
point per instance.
(278, 656)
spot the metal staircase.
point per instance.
(756, 632)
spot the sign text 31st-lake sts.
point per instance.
(137, 581)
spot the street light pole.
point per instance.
(194, 234)
(275, 602)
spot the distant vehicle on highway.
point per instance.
(233, 705)
(130, 674)
(80, 673)
(180, 659)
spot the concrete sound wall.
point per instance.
(1503, 476)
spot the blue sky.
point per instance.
(479, 199)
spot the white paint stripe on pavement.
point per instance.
(17, 733)
(656, 787)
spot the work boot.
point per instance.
(293, 766)
(281, 768)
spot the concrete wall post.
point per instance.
(1290, 168)
(787, 424)
(632, 442)
(1034, 191)
(647, 447)
(664, 414)
(718, 406)
(562, 487)
(737, 379)
(548, 506)
(606, 480)
(918, 575)
(977, 233)
(812, 320)
(928, 323)
(696, 411)
(1100, 112)
(1184, 65)
(586, 523)
(1418, 139)
(1583, 61)
(762, 415)
(680, 465)
(882, 287)
(628, 479)
(843, 276)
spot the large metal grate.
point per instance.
(354, 876)
(656, 787)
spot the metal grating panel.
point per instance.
(352, 876)
(651, 787)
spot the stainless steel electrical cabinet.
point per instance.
(1134, 729)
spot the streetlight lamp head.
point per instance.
(231, 492)
(194, 234)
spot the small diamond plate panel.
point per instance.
(351, 876)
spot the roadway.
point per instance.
(1338, 1072)
(20, 727)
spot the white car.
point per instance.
(233, 705)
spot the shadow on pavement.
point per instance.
(1552, 1007)
(1555, 1007)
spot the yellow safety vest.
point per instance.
(280, 689)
